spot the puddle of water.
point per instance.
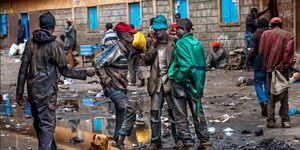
(76, 118)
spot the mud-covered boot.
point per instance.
(205, 146)
(270, 124)
(263, 107)
(286, 124)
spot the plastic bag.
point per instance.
(13, 50)
(21, 48)
(139, 41)
(278, 83)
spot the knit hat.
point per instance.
(124, 27)
(47, 21)
(160, 22)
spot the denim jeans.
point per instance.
(125, 113)
(260, 84)
(248, 37)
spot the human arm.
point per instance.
(58, 58)
(288, 55)
(23, 73)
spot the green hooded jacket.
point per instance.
(189, 65)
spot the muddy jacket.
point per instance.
(112, 66)
(70, 40)
(189, 65)
(156, 80)
(42, 58)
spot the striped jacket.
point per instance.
(112, 65)
(110, 37)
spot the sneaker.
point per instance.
(286, 125)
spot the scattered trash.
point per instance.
(228, 131)
(18, 126)
(293, 111)
(76, 140)
(99, 95)
(90, 92)
(228, 104)
(259, 132)
(21, 48)
(68, 81)
(222, 118)
(17, 60)
(246, 132)
(267, 144)
(13, 50)
(211, 130)
(63, 86)
(93, 82)
(245, 98)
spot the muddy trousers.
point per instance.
(157, 101)
(125, 113)
(134, 69)
(273, 99)
(181, 100)
(72, 62)
(44, 124)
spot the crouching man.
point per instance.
(112, 68)
(42, 58)
(188, 74)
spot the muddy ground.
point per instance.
(84, 112)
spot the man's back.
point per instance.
(276, 46)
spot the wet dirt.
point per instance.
(84, 112)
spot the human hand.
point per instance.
(153, 37)
(90, 72)
(20, 99)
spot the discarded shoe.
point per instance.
(76, 140)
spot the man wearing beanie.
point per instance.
(42, 58)
(260, 80)
(188, 74)
(277, 49)
(217, 58)
(112, 68)
(159, 57)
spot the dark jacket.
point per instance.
(70, 41)
(151, 59)
(21, 34)
(42, 58)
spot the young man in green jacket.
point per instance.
(188, 73)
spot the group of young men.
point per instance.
(177, 76)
